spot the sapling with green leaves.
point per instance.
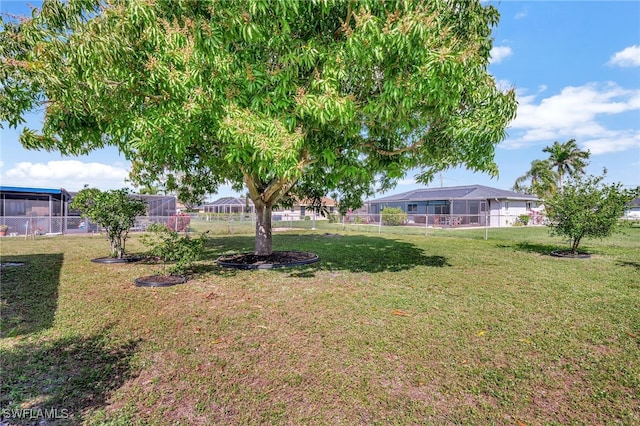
(180, 251)
(587, 207)
(114, 210)
(393, 216)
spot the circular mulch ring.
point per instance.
(277, 259)
(128, 259)
(160, 280)
(568, 255)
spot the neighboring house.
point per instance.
(303, 208)
(33, 209)
(469, 205)
(238, 205)
(229, 205)
(157, 205)
(46, 210)
(633, 212)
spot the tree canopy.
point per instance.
(542, 179)
(301, 98)
(114, 210)
(546, 176)
(567, 159)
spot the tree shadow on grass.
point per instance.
(29, 293)
(629, 264)
(542, 249)
(355, 253)
(57, 381)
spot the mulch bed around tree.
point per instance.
(160, 280)
(569, 255)
(277, 259)
(126, 259)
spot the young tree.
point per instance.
(587, 208)
(567, 159)
(114, 210)
(305, 98)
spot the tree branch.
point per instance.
(411, 148)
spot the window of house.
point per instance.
(442, 209)
(412, 208)
(506, 206)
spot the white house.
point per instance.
(470, 205)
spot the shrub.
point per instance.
(393, 216)
(522, 220)
(169, 246)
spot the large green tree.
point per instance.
(567, 159)
(297, 98)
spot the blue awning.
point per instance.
(31, 190)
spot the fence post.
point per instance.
(426, 224)
(486, 226)
(380, 224)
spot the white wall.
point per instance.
(505, 212)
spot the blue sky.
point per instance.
(575, 66)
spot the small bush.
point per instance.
(522, 220)
(393, 216)
(170, 247)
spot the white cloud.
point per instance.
(574, 113)
(629, 57)
(521, 15)
(498, 53)
(616, 141)
(407, 181)
(69, 174)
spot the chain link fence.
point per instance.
(245, 223)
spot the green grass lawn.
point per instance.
(447, 328)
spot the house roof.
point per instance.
(468, 192)
(230, 201)
(239, 201)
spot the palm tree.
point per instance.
(567, 158)
(542, 177)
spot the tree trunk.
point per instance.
(574, 245)
(263, 230)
